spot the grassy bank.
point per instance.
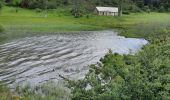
(18, 21)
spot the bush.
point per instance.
(147, 9)
(126, 12)
(143, 76)
(1, 5)
(1, 28)
(87, 16)
(77, 13)
(168, 9)
(154, 9)
(134, 8)
(38, 10)
(47, 91)
(162, 9)
(16, 10)
(52, 5)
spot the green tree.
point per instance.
(120, 5)
(77, 8)
(1, 4)
(144, 76)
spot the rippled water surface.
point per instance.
(41, 58)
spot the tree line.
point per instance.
(130, 5)
(82, 7)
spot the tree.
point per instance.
(144, 76)
(1, 4)
(77, 8)
(45, 7)
(120, 5)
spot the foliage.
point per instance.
(134, 9)
(1, 4)
(143, 76)
(38, 10)
(89, 5)
(162, 9)
(1, 28)
(59, 20)
(4, 92)
(48, 91)
(126, 12)
(147, 9)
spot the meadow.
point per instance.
(19, 22)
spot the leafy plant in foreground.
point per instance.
(143, 76)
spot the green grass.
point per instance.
(27, 22)
(30, 20)
(134, 25)
(60, 20)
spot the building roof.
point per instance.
(107, 9)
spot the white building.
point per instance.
(107, 11)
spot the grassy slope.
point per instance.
(29, 20)
(24, 20)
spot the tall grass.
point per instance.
(61, 20)
(26, 22)
(47, 91)
(147, 30)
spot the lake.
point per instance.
(41, 58)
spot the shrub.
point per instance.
(1, 5)
(168, 9)
(77, 13)
(126, 12)
(143, 76)
(38, 10)
(134, 8)
(87, 16)
(47, 91)
(154, 9)
(1, 28)
(52, 5)
(147, 9)
(162, 9)
(16, 10)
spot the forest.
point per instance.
(87, 6)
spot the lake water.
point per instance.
(39, 59)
